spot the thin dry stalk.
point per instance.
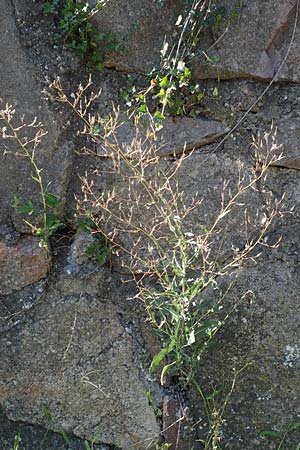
(175, 264)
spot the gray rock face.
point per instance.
(248, 50)
(73, 342)
(251, 41)
(76, 355)
(264, 334)
(32, 436)
(140, 27)
(178, 135)
(288, 135)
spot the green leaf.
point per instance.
(187, 72)
(51, 220)
(158, 116)
(99, 249)
(66, 437)
(99, 37)
(142, 109)
(100, 67)
(270, 433)
(47, 413)
(159, 357)
(87, 224)
(164, 82)
(293, 426)
(214, 59)
(52, 224)
(96, 129)
(25, 208)
(87, 445)
(110, 36)
(213, 395)
(203, 229)
(215, 92)
(207, 328)
(17, 441)
(161, 93)
(164, 371)
(52, 201)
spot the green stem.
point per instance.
(37, 171)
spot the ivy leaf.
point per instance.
(142, 109)
(215, 92)
(158, 116)
(164, 82)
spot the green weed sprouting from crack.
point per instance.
(17, 441)
(170, 90)
(42, 219)
(88, 444)
(79, 33)
(99, 248)
(146, 219)
(282, 436)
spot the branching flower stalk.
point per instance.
(28, 146)
(176, 266)
(46, 222)
(170, 82)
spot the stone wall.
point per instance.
(71, 339)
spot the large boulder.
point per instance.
(250, 41)
(22, 264)
(78, 353)
(262, 338)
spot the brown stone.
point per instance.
(22, 264)
(173, 420)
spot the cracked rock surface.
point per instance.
(73, 354)
(70, 338)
